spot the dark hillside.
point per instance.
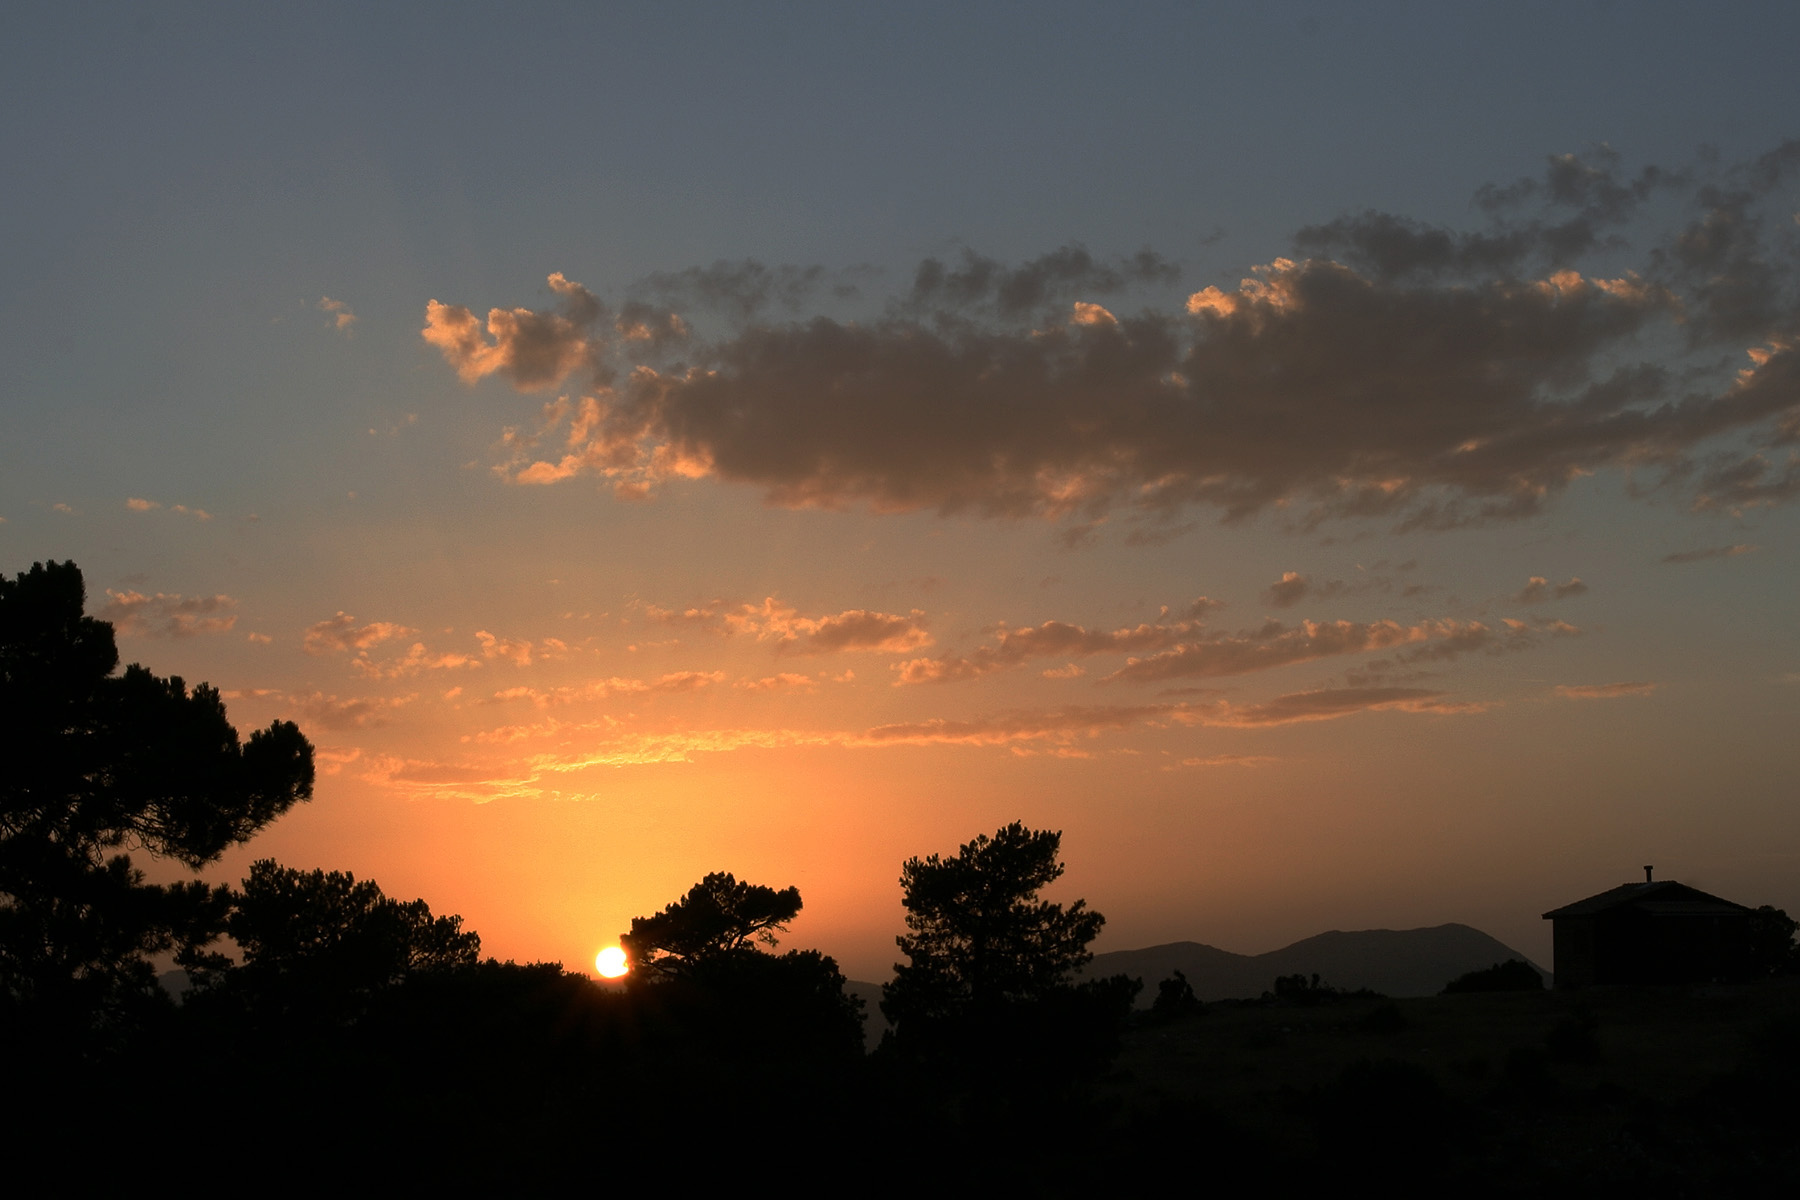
(1408, 962)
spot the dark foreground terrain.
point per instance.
(1658, 1092)
(548, 1083)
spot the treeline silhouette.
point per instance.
(339, 1032)
(332, 1036)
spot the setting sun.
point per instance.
(611, 963)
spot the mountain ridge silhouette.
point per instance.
(1394, 962)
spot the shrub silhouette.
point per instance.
(1773, 951)
(1175, 998)
(1513, 975)
(1298, 989)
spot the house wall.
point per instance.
(1572, 952)
(1630, 946)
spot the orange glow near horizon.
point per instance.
(611, 963)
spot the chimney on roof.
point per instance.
(1647, 871)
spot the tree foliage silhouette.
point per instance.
(980, 938)
(1773, 951)
(702, 956)
(718, 917)
(988, 1001)
(324, 944)
(97, 766)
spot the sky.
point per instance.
(1337, 464)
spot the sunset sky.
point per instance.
(1338, 464)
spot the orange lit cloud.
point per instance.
(1052, 639)
(332, 760)
(507, 734)
(1183, 650)
(1273, 645)
(342, 319)
(855, 629)
(415, 660)
(139, 504)
(531, 349)
(1010, 390)
(784, 682)
(1228, 760)
(607, 743)
(1263, 434)
(343, 633)
(673, 683)
(424, 778)
(513, 650)
(1060, 723)
(168, 615)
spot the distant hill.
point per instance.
(1395, 962)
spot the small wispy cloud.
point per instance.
(1293, 587)
(1709, 552)
(167, 614)
(139, 504)
(342, 319)
(1538, 589)
(1605, 691)
(786, 681)
(356, 712)
(415, 660)
(343, 633)
(674, 683)
(854, 629)
(516, 651)
(1227, 760)
(330, 711)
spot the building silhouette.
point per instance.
(1654, 932)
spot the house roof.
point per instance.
(1664, 898)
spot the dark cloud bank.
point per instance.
(1600, 318)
